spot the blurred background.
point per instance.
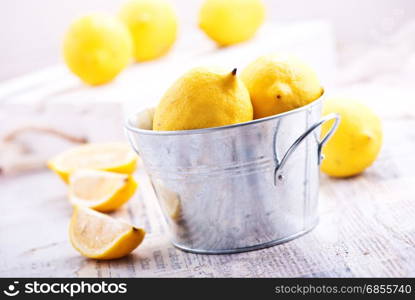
(31, 31)
(364, 49)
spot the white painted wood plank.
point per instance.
(365, 229)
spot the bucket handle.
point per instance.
(301, 138)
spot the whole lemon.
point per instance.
(97, 47)
(279, 83)
(357, 141)
(153, 26)
(203, 98)
(231, 21)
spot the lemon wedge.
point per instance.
(100, 190)
(96, 235)
(113, 157)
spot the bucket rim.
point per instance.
(128, 123)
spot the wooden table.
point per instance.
(366, 228)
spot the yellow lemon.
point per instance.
(153, 26)
(357, 141)
(231, 21)
(97, 47)
(203, 98)
(169, 201)
(279, 83)
(96, 235)
(113, 157)
(100, 190)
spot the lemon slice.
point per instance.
(96, 235)
(101, 190)
(114, 157)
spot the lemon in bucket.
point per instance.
(202, 98)
(279, 82)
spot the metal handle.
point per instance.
(329, 134)
(301, 138)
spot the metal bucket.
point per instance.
(236, 188)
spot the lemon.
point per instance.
(96, 235)
(231, 21)
(97, 47)
(169, 201)
(100, 190)
(279, 83)
(203, 98)
(153, 26)
(357, 141)
(114, 157)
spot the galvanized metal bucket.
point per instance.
(236, 188)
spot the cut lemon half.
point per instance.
(98, 236)
(114, 157)
(101, 190)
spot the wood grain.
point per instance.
(366, 228)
